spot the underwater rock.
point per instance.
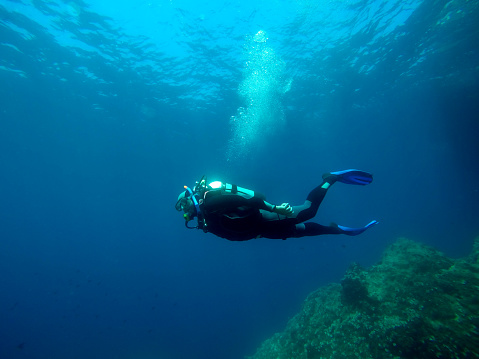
(415, 303)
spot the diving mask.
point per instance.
(188, 203)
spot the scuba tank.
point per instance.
(229, 188)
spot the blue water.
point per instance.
(107, 108)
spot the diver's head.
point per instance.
(185, 204)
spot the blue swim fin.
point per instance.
(349, 177)
(354, 231)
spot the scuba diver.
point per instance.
(240, 214)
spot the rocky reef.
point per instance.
(415, 303)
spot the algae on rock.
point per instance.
(415, 303)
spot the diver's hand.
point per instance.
(285, 209)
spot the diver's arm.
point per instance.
(269, 207)
(213, 203)
(233, 201)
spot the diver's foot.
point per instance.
(354, 231)
(330, 178)
(356, 177)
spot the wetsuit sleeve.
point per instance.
(215, 203)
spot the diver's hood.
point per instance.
(188, 203)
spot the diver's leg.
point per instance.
(315, 229)
(315, 197)
(287, 228)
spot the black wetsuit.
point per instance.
(239, 218)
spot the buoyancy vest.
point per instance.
(234, 225)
